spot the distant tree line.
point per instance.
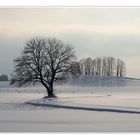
(3, 77)
(101, 66)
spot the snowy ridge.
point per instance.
(89, 80)
(60, 104)
(102, 81)
(86, 80)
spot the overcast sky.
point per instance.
(92, 31)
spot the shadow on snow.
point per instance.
(83, 108)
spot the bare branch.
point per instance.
(43, 60)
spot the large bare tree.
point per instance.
(43, 60)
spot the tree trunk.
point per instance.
(50, 92)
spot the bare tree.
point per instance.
(111, 66)
(99, 64)
(75, 68)
(88, 66)
(82, 68)
(104, 66)
(43, 60)
(120, 68)
(94, 67)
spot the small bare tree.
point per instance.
(43, 60)
(120, 68)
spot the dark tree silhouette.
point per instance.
(3, 77)
(43, 60)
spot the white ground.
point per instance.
(16, 116)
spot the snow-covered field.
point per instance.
(107, 102)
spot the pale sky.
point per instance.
(92, 31)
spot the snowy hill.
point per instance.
(98, 81)
(87, 80)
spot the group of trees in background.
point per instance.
(3, 77)
(106, 66)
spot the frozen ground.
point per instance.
(17, 116)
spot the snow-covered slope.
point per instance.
(103, 81)
(16, 116)
(86, 80)
(110, 109)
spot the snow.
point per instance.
(18, 116)
(103, 81)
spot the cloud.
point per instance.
(106, 30)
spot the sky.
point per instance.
(94, 31)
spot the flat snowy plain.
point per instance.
(17, 116)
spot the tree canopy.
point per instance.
(43, 60)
